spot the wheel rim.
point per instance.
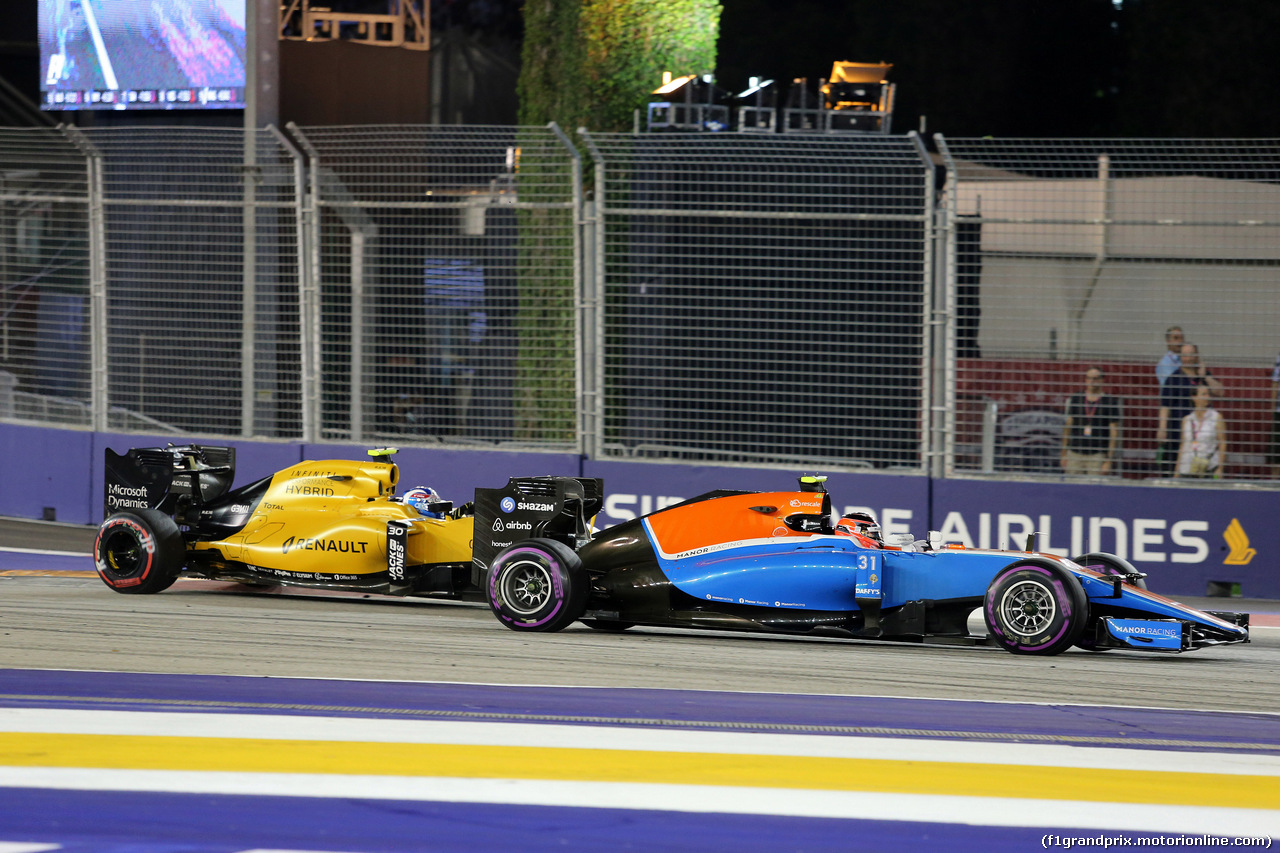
(1028, 607)
(526, 587)
(123, 555)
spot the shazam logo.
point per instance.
(508, 504)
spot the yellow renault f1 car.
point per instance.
(336, 524)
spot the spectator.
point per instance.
(1273, 451)
(1175, 404)
(1092, 428)
(1169, 364)
(402, 383)
(1204, 438)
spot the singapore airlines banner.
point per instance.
(1185, 538)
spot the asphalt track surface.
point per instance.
(145, 723)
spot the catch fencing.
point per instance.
(445, 259)
(762, 298)
(834, 301)
(150, 280)
(1071, 255)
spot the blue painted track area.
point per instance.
(135, 762)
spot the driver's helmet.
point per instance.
(421, 498)
(864, 524)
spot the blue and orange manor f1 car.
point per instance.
(780, 562)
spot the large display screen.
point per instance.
(142, 54)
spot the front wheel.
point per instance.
(1035, 609)
(139, 552)
(537, 585)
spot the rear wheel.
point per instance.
(139, 552)
(537, 585)
(1034, 609)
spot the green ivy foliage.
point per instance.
(593, 63)
(585, 63)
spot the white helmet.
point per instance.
(421, 498)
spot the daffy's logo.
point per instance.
(1238, 542)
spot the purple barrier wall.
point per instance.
(47, 472)
(1184, 538)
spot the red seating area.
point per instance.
(1023, 385)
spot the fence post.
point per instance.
(300, 232)
(249, 291)
(99, 393)
(933, 330)
(596, 285)
(947, 355)
(583, 315)
(309, 294)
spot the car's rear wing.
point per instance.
(166, 478)
(559, 508)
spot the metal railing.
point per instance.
(846, 301)
(1072, 255)
(762, 298)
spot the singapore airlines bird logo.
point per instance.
(1238, 542)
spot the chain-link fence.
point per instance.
(764, 297)
(446, 266)
(710, 297)
(1070, 260)
(45, 372)
(199, 247)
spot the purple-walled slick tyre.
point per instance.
(537, 585)
(1035, 609)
